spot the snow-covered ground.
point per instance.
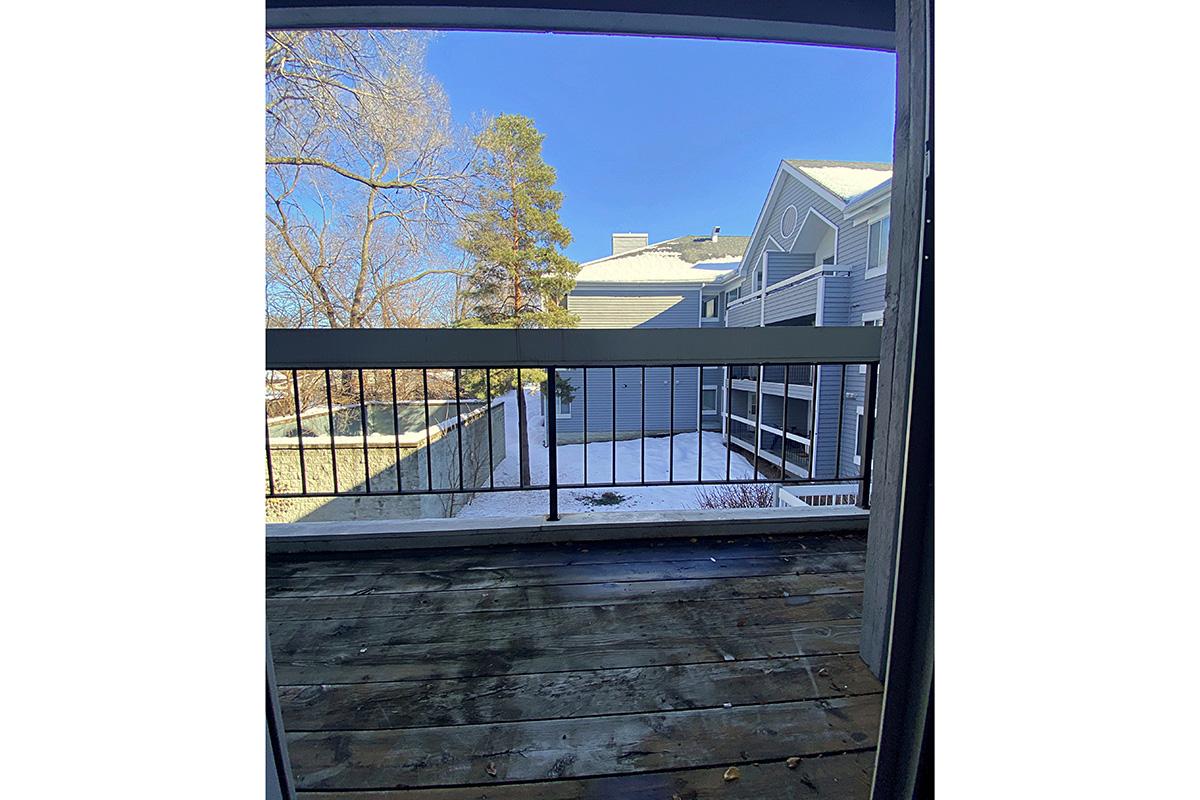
(600, 465)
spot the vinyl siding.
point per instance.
(605, 307)
(599, 399)
(635, 308)
(746, 315)
(792, 301)
(781, 266)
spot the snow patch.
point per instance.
(600, 469)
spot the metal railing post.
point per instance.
(864, 491)
(552, 441)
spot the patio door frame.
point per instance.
(897, 640)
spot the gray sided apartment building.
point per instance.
(817, 256)
(677, 283)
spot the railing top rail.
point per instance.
(415, 348)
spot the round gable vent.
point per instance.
(789, 222)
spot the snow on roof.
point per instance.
(686, 259)
(846, 179)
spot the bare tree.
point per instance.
(366, 181)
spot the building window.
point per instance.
(709, 309)
(752, 406)
(877, 246)
(562, 407)
(731, 295)
(858, 437)
(708, 399)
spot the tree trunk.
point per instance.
(523, 432)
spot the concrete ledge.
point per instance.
(312, 537)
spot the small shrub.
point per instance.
(737, 495)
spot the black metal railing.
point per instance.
(352, 413)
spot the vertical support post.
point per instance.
(552, 442)
(864, 491)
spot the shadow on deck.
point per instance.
(630, 670)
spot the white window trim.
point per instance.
(857, 427)
(716, 399)
(869, 316)
(558, 409)
(875, 272)
(716, 298)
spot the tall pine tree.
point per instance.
(520, 276)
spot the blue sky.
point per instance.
(670, 136)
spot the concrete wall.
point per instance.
(442, 455)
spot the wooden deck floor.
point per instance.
(631, 671)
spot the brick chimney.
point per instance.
(624, 242)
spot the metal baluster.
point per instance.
(787, 401)
(428, 435)
(585, 427)
(758, 421)
(299, 432)
(362, 410)
(459, 426)
(396, 431)
(614, 426)
(487, 378)
(270, 468)
(552, 446)
(521, 458)
(329, 412)
(700, 423)
(671, 435)
(864, 493)
(643, 425)
(837, 475)
(728, 419)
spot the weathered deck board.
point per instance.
(567, 695)
(374, 563)
(570, 595)
(320, 636)
(842, 776)
(483, 578)
(563, 748)
(532, 653)
(577, 672)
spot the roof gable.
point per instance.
(835, 184)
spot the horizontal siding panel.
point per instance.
(746, 315)
(792, 301)
(636, 309)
